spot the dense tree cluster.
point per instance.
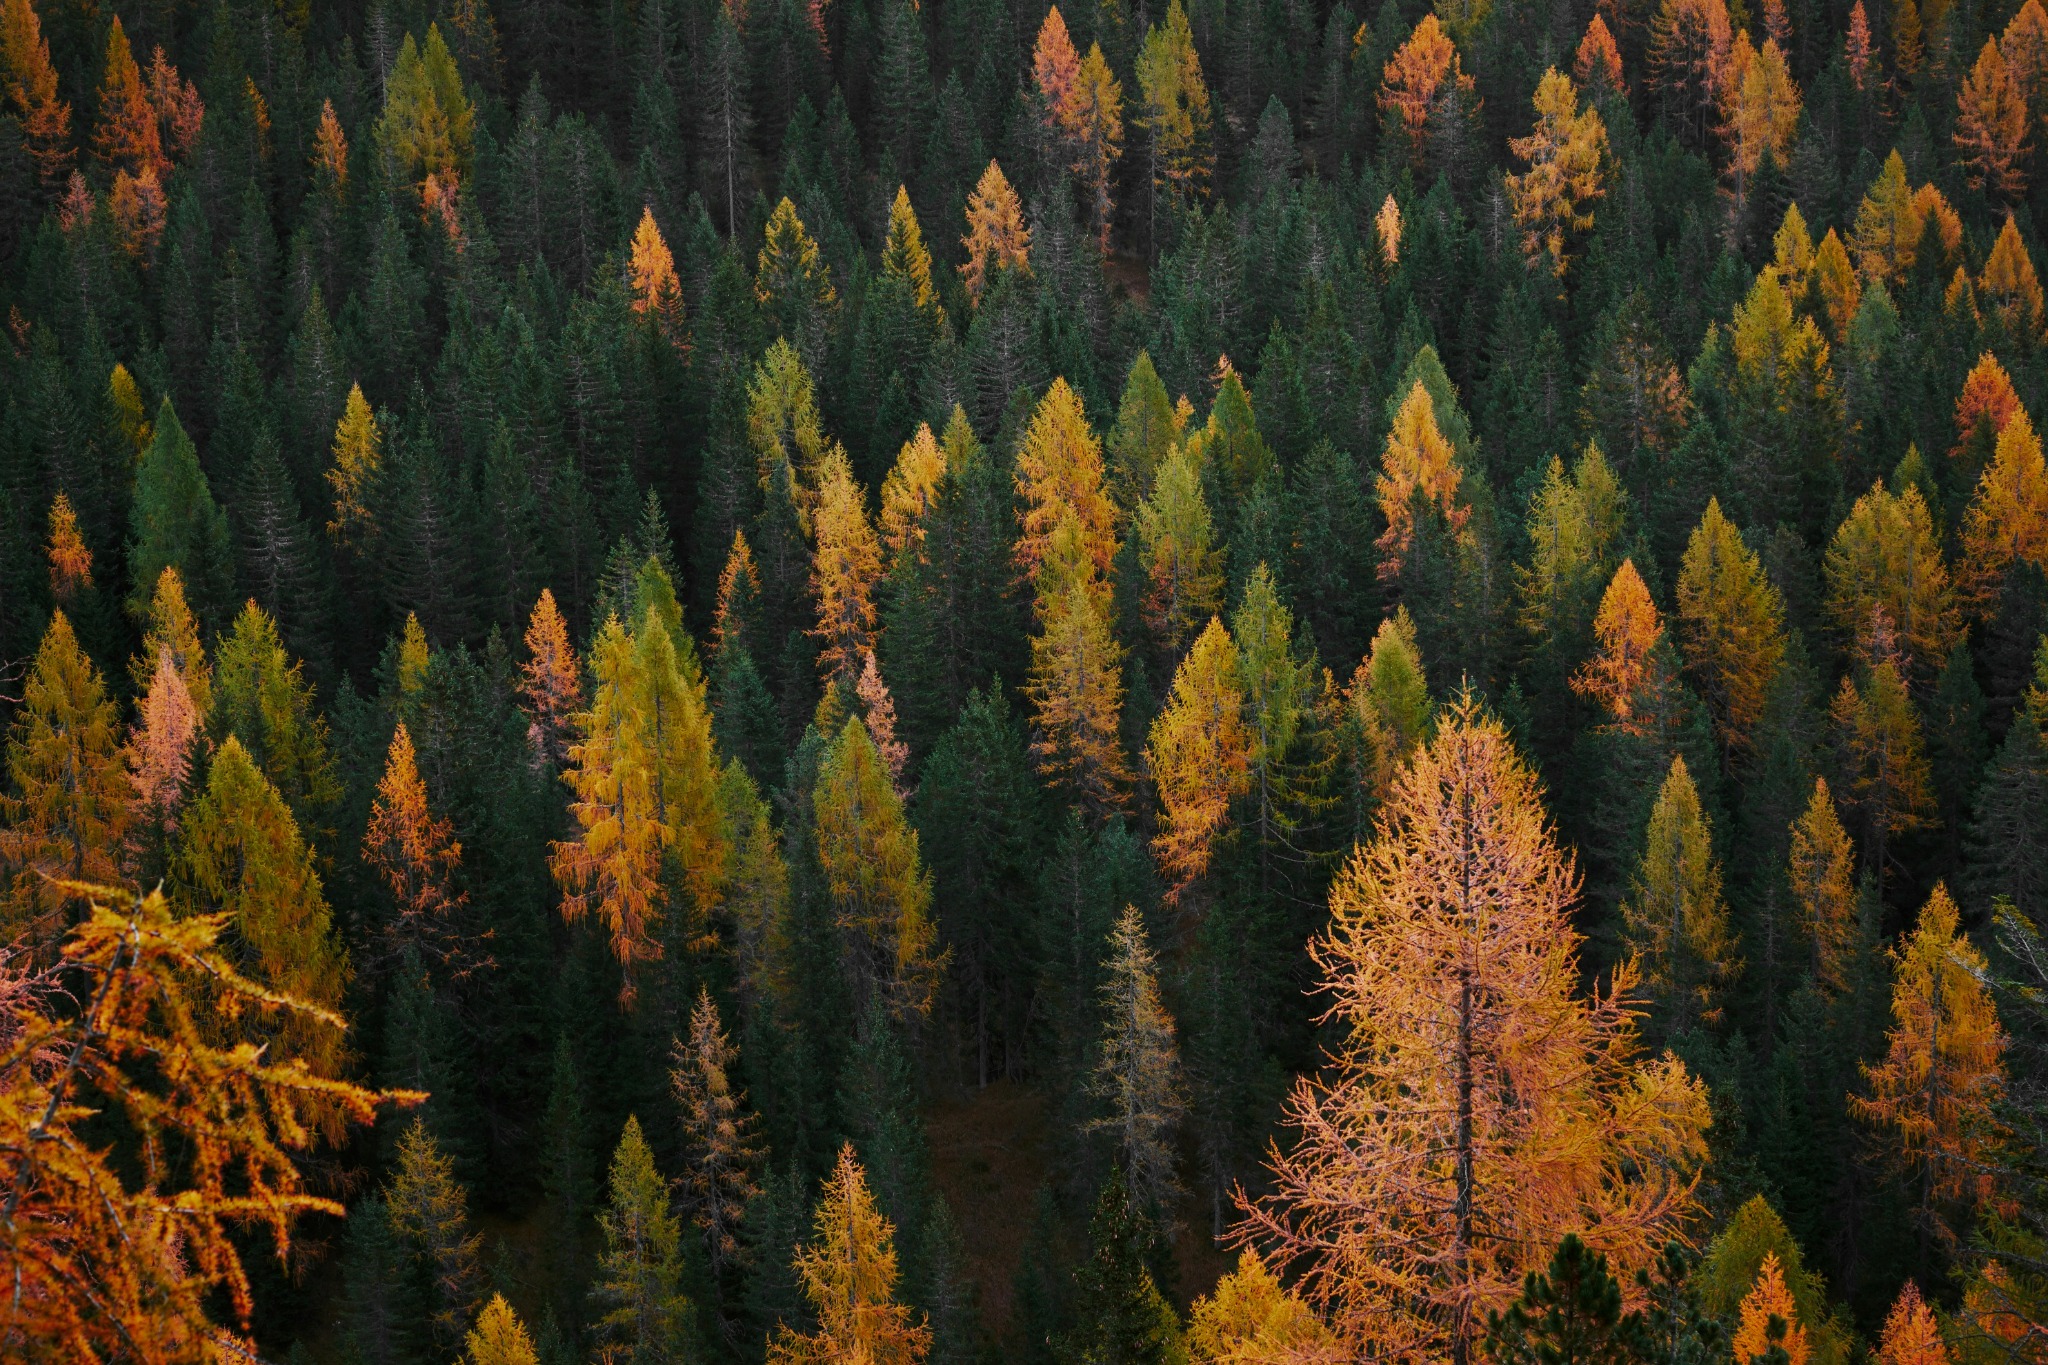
(1406, 653)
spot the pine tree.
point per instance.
(170, 628)
(908, 493)
(31, 91)
(880, 891)
(997, 240)
(1137, 1073)
(639, 1274)
(67, 809)
(1436, 1118)
(1553, 199)
(550, 685)
(2007, 521)
(1118, 1314)
(1935, 1095)
(1199, 755)
(1689, 42)
(848, 1273)
(175, 523)
(1730, 626)
(158, 756)
(499, 1337)
(1677, 922)
(725, 117)
(794, 284)
(845, 569)
(430, 1210)
(1076, 687)
(720, 1143)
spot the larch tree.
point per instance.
(1731, 626)
(1767, 1319)
(1822, 869)
(1886, 556)
(1983, 409)
(1689, 46)
(1388, 700)
(159, 753)
(240, 855)
(1426, 1160)
(848, 1273)
(1060, 475)
(1175, 114)
(1760, 112)
(1419, 472)
(845, 569)
(1251, 1316)
(1076, 684)
(1279, 689)
(108, 1260)
(31, 92)
(793, 284)
(1623, 673)
(2009, 286)
(1423, 82)
(550, 682)
(1137, 1069)
(719, 1138)
(67, 806)
(69, 556)
(419, 860)
(1677, 923)
(997, 239)
(126, 138)
(645, 1315)
(1935, 1095)
(429, 1209)
(261, 697)
(905, 258)
(1911, 1335)
(2006, 524)
(1992, 126)
(909, 490)
(358, 453)
(1183, 566)
(656, 290)
(1553, 199)
(1575, 526)
(1884, 758)
(499, 1337)
(169, 627)
(880, 891)
(1199, 756)
(1596, 65)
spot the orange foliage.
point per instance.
(1991, 127)
(1911, 1335)
(996, 236)
(2010, 285)
(70, 559)
(127, 136)
(1597, 64)
(159, 750)
(1621, 674)
(179, 111)
(844, 570)
(657, 293)
(417, 856)
(1418, 464)
(29, 82)
(1769, 1298)
(1417, 76)
(330, 152)
(2007, 521)
(1856, 45)
(138, 208)
(549, 683)
(1985, 405)
(1060, 475)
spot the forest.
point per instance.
(936, 682)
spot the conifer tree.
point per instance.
(1553, 199)
(126, 137)
(1822, 869)
(1911, 1335)
(848, 1273)
(1885, 556)
(794, 284)
(358, 460)
(718, 1130)
(1076, 685)
(657, 291)
(1768, 1321)
(1435, 1118)
(1118, 1313)
(905, 258)
(1596, 64)
(909, 490)
(845, 569)
(550, 683)
(31, 91)
(499, 1337)
(1060, 475)
(175, 523)
(1389, 699)
(430, 1210)
(67, 804)
(1419, 471)
(159, 756)
(70, 558)
(1935, 1095)
(1199, 755)
(1250, 1315)
(645, 1316)
(1146, 428)
(1184, 579)
(1424, 83)
(880, 891)
(1730, 626)
(997, 240)
(1677, 921)
(240, 855)
(1623, 673)
(725, 117)
(2007, 522)
(1992, 125)
(419, 860)
(1884, 756)
(2010, 285)
(261, 697)
(1137, 1071)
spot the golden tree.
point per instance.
(358, 458)
(1076, 684)
(67, 809)
(418, 858)
(169, 627)
(1731, 626)
(845, 568)
(996, 237)
(113, 1260)
(29, 82)
(1060, 475)
(1991, 127)
(1768, 1300)
(1622, 673)
(2006, 524)
(1476, 1105)
(657, 292)
(70, 557)
(1553, 199)
(722, 1146)
(1418, 466)
(159, 759)
(1911, 1336)
(1822, 869)
(499, 1337)
(550, 682)
(905, 258)
(1199, 755)
(1884, 756)
(126, 137)
(1677, 923)
(1176, 115)
(2010, 285)
(881, 893)
(1183, 567)
(908, 492)
(1423, 74)
(1388, 700)
(1760, 106)
(1596, 66)
(1934, 1095)
(848, 1272)
(1885, 556)
(1251, 1317)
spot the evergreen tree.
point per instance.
(645, 1317)
(175, 523)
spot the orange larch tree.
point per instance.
(1885, 554)
(1423, 81)
(909, 489)
(419, 859)
(1991, 127)
(1911, 1336)
(550, 683)
(1622, 673)
(996, 237)
(1822, 869)
(657, 292)
(70, 557)
(1689, 48)
(2007, 521)
(1418, 466)
(127, 137)
(848, 1272)
(1425, 1159)
(1076, 683)
(2010, 285)
(31, 91)
(159, 757)
(1199, 756)
(1060, 475)
(1596, 66)
(1769, 1299)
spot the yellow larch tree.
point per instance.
(1991, 127)
(1476, 1103)
(66, 809)
(1884, 753)
(2010, 285)
(358, 458)
(1760, 111)
(1176, 116)
(1251, 1317)
(30, 87)
(996, 237)
(845, 567)
(69, 556)
(908, 491)
(848, 1272)
(1199, 756)
(905, 258)
(1885, 555)
(1183, 566)
(1553, 199)
(1388, 700)
(1622, 674)
(1934, 1096)
(1417, 466)
(1767, 1299)
(880, 891)
(1822, 869)
(1076, 684)
(169, 625)
(1060, 475)
(1676, 921)
(1596, 65)
(1731, 626)
(2007, 521)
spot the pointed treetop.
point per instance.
(70, 559)
(996, 237)
(904, 256)
(1597, 64)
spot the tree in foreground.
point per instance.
(1251, 1316)
(1476, 1103)
(848, 1272)
(107, 1261)
(1570, 1311)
